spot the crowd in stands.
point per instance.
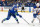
(27, 3)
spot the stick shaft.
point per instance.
(25, 20)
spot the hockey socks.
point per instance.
(3, 20)
(17, 20)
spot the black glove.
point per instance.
(20, 16)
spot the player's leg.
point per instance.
(33, 20)
(16, 18)
(8, 17)
(34, 15)
(38, 16)
(38, 19)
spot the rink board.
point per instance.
(18, 11)
(26, 9)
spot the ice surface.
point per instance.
(12, 23)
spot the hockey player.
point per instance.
(12, 12)
(35, 10)
(22, 9)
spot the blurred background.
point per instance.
(27, 3)
(5, 5)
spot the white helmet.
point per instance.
(37, 4)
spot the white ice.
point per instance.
(12, 23)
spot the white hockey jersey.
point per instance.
(34, 11)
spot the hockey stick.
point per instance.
(25, 20)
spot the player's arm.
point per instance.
(19, 15)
